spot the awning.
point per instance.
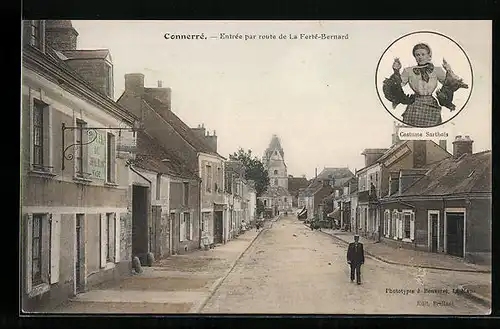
(335, 214)
(302, 212)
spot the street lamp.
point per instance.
(92, 136)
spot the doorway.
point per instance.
(218, 226)
(80, 255)
(140, 225)
(433, 231)
(455, 234)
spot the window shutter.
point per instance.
(191, 217)
(401, 227)
(28, 251)
(55, 250)
(203, 177)
(117, 237)
(182, 227)
(113, 158)
(103, 240)
(412, 226)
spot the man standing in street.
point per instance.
(355, 258)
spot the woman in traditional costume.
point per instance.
(423, 109)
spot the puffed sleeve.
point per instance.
(440, 74)
(393, 90)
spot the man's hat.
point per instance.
(356, 235)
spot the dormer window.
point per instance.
(34, 32)
(36, 27)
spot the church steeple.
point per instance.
(274, 162)
(274, 146)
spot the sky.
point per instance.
(319, 96)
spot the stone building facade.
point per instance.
(74, 221)
(196, 149)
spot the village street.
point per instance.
(291, 269)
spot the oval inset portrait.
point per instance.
(424, 79)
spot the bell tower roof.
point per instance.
(274, 145)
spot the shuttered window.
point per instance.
(407, 226)
(187, 225)
(182, 227)
(209, 182)
(38, 135)
(36, 250)
(36, 34)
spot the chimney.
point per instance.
(134, 83)
(60, 35)
(199, 132)
(395, 133)
(462, 145)
(443, 143)
(315, 172)
(372, 155)
(159, 83)
(419, 153)
(211, 141)
(409, 176)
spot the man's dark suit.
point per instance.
(355, 257)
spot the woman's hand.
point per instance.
(446, 66)
(396, 66)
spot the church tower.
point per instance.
(274, 162)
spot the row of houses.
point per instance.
(104, 181)
(416, 195)
(316, 199)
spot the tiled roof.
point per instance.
(236, 167)
(335, 173)
(186, 133)
(60, 61)
(150, 155)
(275, 191)
(86, 53)
(391, 150)
(469, 173)
(312, 188)
(340, 175)
(295, 183)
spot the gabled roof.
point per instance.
(87, 53)
(152, 156)
(184, 130)
(391, 150)
(58, 59)
(336, 173)
(468, 174)
(275, 191)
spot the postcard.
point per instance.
(256, 167)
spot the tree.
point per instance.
(254, 169)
